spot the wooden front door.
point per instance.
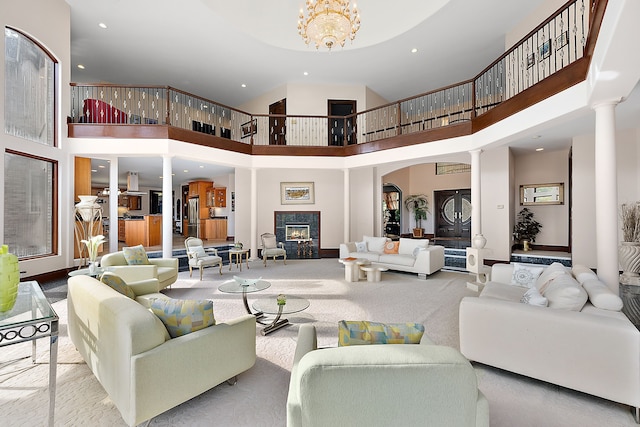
(278, 124)
(341, 130)
(453, 215)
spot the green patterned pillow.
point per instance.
(182, 317)
(135, 255)
(363, 332)
(115, 282)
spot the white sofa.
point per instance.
(163, 269)
(413, 255)
(142, 369)
(589, 346)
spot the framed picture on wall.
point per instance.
(249, 128)
(297, 193)
(544, 50)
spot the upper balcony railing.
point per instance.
(558, 42)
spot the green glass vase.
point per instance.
(9, 279)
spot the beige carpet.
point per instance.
(259, 398)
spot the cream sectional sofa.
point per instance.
(142, 369)
(581, 340)
(163, 269)
(413, 255)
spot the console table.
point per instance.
(32, 317)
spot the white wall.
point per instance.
(51, 27)
(363, 185)
(583, 215)
(523, 27)
(545, 167)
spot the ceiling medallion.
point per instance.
(329, 22)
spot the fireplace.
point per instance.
(296, 232)
(300, 233)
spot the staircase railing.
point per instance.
(559, 41)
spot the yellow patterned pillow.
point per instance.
(135, 255)
(182, 317)
(351, 332)
(115, 282)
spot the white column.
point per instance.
(606, 195)
(254, 214)
(167, 207)
(113, 205)
(476, 206)
(347, 206)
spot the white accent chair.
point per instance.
(382, 385)
(272, 248)
(199, 257)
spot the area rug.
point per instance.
(259, 397)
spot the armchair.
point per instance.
(163, 269)
(382, 385)
(198, 257)
(272, 248)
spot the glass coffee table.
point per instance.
(245, 286)
(270, 306)
(30, 318)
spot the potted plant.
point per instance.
(629, 250)
(526, 229)
(418, 205)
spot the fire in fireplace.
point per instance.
(297, 232)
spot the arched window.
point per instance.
(29, 97)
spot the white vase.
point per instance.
(478, 241)
(87, 207)
(93, 268)
(629, 259)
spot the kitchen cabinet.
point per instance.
(132, 202)
(120, 230)
(217, 197)
(214, 229)
(145, 232)
(200, 189)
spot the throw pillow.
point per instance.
(525, 275)
(408, 246)
(533, 297)
(115, 282)
(391, 247)
(135, 255)
(375, 244)
(352, 332)
(582, 273)
(361, 246)
(182, 317)
(601, 296)
(565, 293)
(554, 270)
(198, 251)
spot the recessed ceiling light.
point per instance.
(306, 73)
(94, 170)
(243, 85)
(102, 25)
(540, 149)
(101, 166)
(186, 171)
(414, 50)
(81, 66)
(201, 166)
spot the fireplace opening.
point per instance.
(297, 232)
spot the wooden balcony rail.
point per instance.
(564, 41)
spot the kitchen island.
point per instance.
(145, 230)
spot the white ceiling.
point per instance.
(212, 47)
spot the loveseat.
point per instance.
(578, 338)
(411, 255)
(163, 269)
(142, 369)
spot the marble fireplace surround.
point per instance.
(295, 249)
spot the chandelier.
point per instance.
(329, 22)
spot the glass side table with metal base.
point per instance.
(233, 287)
(31, 318)
(270, 306)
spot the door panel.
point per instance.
(453, 217)
(341, 130)
(278, 125)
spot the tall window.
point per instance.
(29, 110)
(29, 188)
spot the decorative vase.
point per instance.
(9, 279)
(93, 268)
(526, 245)
(629, 259)
(87, 207)
(478, 241)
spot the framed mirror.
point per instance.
(542, 194)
